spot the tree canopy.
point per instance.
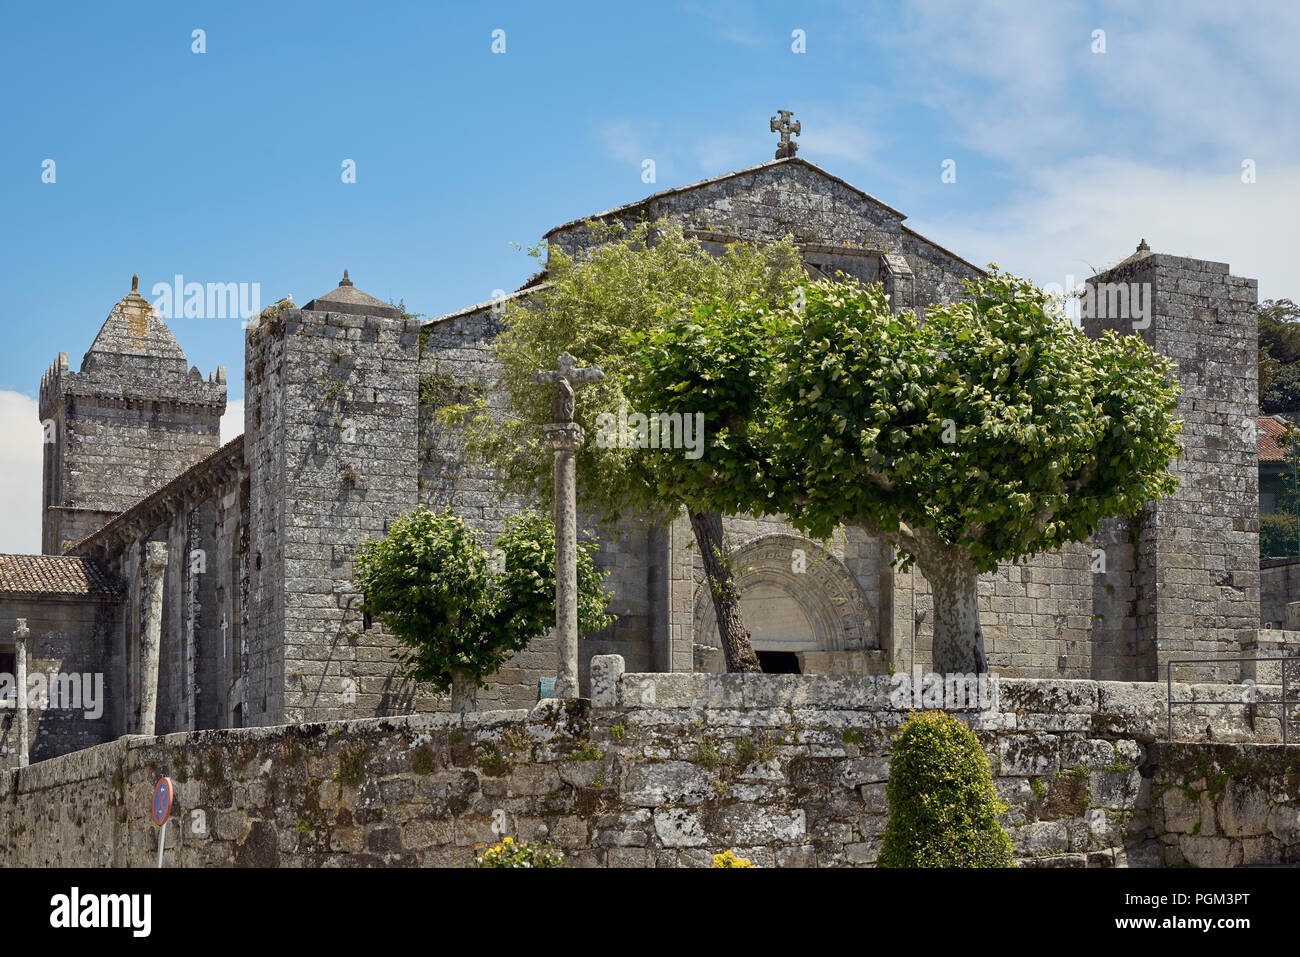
(637, 460)
(984, 431)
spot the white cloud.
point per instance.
(1092, 212)
(852, 141)
(232, 422)
(627, 142)
(20, 478)
(1018, 80)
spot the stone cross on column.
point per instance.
(566, 437)
(21, 634)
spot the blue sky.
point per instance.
(225, 166)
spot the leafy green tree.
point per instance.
(459, 613)
(1282, 394)
(984, 432)
(636, 281)
(1279, 535)
(1279, 329)
(1279, 352)
(943, 810)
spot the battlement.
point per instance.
(134, 416)
(59, 384)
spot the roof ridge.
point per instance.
(795, 160)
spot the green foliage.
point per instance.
(638, 281)
(434, 587)
(492, 761)
(707, 755)
(422, 761)
(990, 426)
(1279, 535)
(757, 752)
(1281, 395)
(942, 806)
(1050, 430)
(589, 752)
(716, 359)
(352, 765)
(1279, 350)
(508, 853)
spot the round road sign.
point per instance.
(162, 801)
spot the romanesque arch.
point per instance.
(813, 609)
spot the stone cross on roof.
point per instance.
(566, 379)
(787, 147)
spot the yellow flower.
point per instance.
(729, 859)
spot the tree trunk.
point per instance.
(464, 693)
(721, 583)
(958, 643)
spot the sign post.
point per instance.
(163, 793)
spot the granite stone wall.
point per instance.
(198, 515)
(73, 640)
(1223, 805)
(665, 770)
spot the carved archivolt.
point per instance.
(817, 583)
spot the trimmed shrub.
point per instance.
(942, 806)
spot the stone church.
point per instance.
(210, 584)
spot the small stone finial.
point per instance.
(787, 147)
(135, 282)
(21, 631)
(1143, 247)
(345, 281)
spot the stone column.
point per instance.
(566, 436)
(155, 562)
(21, 634)
(566, 439)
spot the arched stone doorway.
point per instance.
(800, 604)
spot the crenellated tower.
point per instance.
(134, 417)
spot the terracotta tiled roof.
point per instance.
(1266, 439)
(53, 575)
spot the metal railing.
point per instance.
(1169, 688)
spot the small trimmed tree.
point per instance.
(459, 613)
(943, 810)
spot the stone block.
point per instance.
(1023, 754)
(678, 827)
(606, 671)
(667, 782)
